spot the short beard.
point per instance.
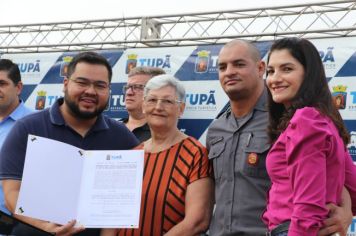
(74, 108)
(237, 96)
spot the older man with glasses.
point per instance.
(133, 91)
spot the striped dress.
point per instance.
(166, 177)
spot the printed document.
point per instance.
(100, 189)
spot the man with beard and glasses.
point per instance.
(76, 119)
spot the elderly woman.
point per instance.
(177, 194)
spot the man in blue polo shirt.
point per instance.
(11, 107)
(76, 119)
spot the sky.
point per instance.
(15, 12)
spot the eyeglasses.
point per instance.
(134, 87)
(152, 101)
(99, 86)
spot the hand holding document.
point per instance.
(100, 189)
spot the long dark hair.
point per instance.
(313, 92)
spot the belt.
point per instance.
(280, 230)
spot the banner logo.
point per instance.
(40, 100)
(164, 63)
(29, 67)
(64, 65)
(201, 101)
(352, 228)
(352, 140)
(131, 62)
(339, 96)
(352, 107)
(328, 58)
(30, 70)
(202, 61)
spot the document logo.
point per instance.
(113, 157)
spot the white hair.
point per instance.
(160, 81)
